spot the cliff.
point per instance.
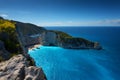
(61, 39)
(31, 35)
(18, 68)
(15, 64)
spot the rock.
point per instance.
(34, 73)
(18, 68)
(61, 39)
(49, 38)
(97, 46)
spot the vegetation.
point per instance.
(9, 36)
(62, 34)
(78, 41)
(68, 39)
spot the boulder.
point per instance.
(18, 68)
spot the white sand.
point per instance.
(34, 46)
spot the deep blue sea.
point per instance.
(68, 64)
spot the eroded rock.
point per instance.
(18, 68)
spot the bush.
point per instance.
(8, 35)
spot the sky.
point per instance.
(62, 12)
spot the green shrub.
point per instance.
(8, 35)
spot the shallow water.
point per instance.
(66, 64)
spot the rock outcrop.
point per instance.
(25, 31)
(18, 68)
(51, 38)
(61, 39)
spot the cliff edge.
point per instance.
(18, 68)
(15, 63)
(62, 39)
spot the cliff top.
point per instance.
(29, 29)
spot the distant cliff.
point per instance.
(31, 35)
(62, 39)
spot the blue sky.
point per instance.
(63, 12)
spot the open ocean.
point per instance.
(68, 64)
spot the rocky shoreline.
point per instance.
(18, 68)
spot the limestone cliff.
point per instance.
(61, 39)
(31, 35)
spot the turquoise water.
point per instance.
(66, 64)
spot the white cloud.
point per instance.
(114, 21)
(107, 22)
(60, 23)
(4, 15)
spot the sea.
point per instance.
(89, 64)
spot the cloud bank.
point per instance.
(4, 15)
(107, 22)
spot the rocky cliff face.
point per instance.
(25, 31)
(61, 39)
(49, 38)
(18, 68)
(21, 66)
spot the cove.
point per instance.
(66, 64)
(69, 64)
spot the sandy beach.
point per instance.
(34, 46)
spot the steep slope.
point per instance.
(8, 36)
(29, 29)
(18, 68)
(25, 31)
(21, 66)
(62, 39)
